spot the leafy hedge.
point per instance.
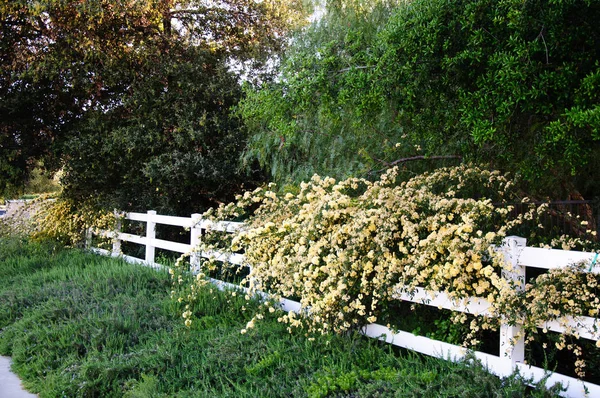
(515, 84)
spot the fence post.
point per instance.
(512, 341)
(195, 238)
(88, 238)
(150, 236)
(116, 243)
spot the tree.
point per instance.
(324, 113)
(171, 146)
(514, 84)
(59, 59)
(82, 76)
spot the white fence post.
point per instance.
(116, 242)
(88, 238)
(150, 236)
(512, 341)
(195, 238)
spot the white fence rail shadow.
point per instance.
(512, 356)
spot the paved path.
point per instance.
(10, 385)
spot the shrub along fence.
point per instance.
(563, 217)
(512, 344)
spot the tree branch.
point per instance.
(355, 67)
(423, 157)
(412, 158)
(541, 35)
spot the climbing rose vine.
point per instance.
(347, 249)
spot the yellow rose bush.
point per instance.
(559, 295)
(51, 217)
(347, 249)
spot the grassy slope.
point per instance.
(79, 325)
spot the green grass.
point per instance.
(80, 325)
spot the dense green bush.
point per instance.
(325, 114)
(175, 151)
(132, 99)
(513, 83)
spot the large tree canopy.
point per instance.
(515, 84)
(132, 98)
(325, 114)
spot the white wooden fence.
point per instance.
(512, 356)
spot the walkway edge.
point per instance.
(10, 385)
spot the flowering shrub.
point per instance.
(52, 217)
(555, 296)
(347, 249)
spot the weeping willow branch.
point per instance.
(412, 158)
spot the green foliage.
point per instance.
(423, 380)
(449, 331)
(174, 150)
(507, 74)
(268, 362)
(147, 387)
(514, 84)
(324, 114)
(40, 183)
(80, 325)
(60, 58)
(107, 89)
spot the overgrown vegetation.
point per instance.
(136, 103)
(140, 106)
(81, 325)
(58, 219)
(513, 84)
(132, 99)
(347, 250)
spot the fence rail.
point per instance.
(512, 345)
